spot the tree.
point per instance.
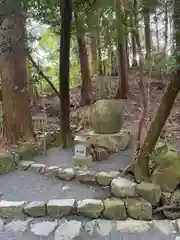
(66, 19)
(86, 87)
(163, 111)
(16, 102)
(123, 88)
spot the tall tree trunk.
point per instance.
(94, 59)
(123, 88)
(100, 64)
(86, 89)
(134, 51)
(163, 111)
(16, 102)
(166, 28)
(147, 33)
(66, 18)
(157, 32)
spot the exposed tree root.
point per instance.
(166, 207)
(128, 169)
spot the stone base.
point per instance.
(111, 142)
(82, 162)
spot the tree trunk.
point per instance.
(157, 32)
(123, 88)
(100, 64)
(16, 102)
(147, 34)
(86, 89)
(141, 165)
(66, 18)
(166, 28)
(94, 59)
(134, 51)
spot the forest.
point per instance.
(64, 50)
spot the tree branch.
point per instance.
(40, 72)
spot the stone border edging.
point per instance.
(85, 176)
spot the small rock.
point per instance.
(121, 187)
(86, 176)
(17, 226)
(101, 154)
(149, 191)
(11, 209)
(35, 209)
(24, 165)
(66, 174)
(90, 208)
(165, 226)
(133, 226)
(114, 209)
(43, 229)
(102, 227)
(68, 230)
(60, 207)
(51, 171)
(105, 178)
(37, 168)
(65, 188)
(7, 163)
(138, 208)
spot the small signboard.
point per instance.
(80, 147)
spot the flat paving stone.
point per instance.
(43, 229)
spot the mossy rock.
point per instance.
(107, 116)
(27, 150)
(7, 162)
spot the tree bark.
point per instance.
(163, 111)
(166, 28)
(94, 59)
(16, 103)
(123, 88)
(147, 33)
(157, 32)
(66, 18)
(86, 88)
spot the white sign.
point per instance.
(80, 150)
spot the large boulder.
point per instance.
(167, 170)
(107, 116)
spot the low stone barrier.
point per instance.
(68, 174)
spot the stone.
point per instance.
(90, 208)
(107, 116)
(82, 162)
(111, 142)
(165, 226)
(7, 162)
(25, 165)
(121, 187)
(149, 191)
(101, 154)
(133, 226)
(37, 168)
(60, 207)
(102, 227)
(35, 209)
(167, 171)
(174, 199)
(105, 178)
(11, 209)
(17, 226)
(1, 224)
(86, 176)
(51, 171)
(27, 150)
(66, 174)
(68, 230)
(43, 229)
(114, 209)
(138, 208)
(178, 224)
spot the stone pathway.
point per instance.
(80, 229)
